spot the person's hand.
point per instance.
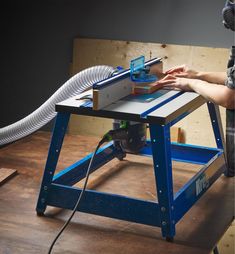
(182, 71)
(176, 83)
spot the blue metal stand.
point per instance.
(57, 190)
(161, 151)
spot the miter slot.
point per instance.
(164, 100)
(177, 108)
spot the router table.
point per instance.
(160, 111)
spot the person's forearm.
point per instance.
(218, 94)
(213, 77)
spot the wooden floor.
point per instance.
(22, 231)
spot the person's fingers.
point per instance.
(167, 77)
(169, 84)
(163, 82)
(181, 75)
(180, 68)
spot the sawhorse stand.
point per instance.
(57, 190)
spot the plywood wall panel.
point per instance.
(91, 52)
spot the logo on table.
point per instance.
(201, 184)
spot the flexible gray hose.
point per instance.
(74, 86)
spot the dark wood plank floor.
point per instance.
(21, 231)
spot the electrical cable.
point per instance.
(117, 134)
(104, 139)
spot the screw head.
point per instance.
(163, 209)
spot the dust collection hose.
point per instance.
(74, 86)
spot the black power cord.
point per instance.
(103, 140)
(117, 134)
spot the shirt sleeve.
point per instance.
(230, 82)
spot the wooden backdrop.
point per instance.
(90, 52)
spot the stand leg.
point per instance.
(52, 159)
(215, 250)
(230, 142)
(216, 125)
(161, 150)
(217, 128)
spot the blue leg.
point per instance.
(60, 127)
(161, 150)
(216, 124)
(217, 128)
